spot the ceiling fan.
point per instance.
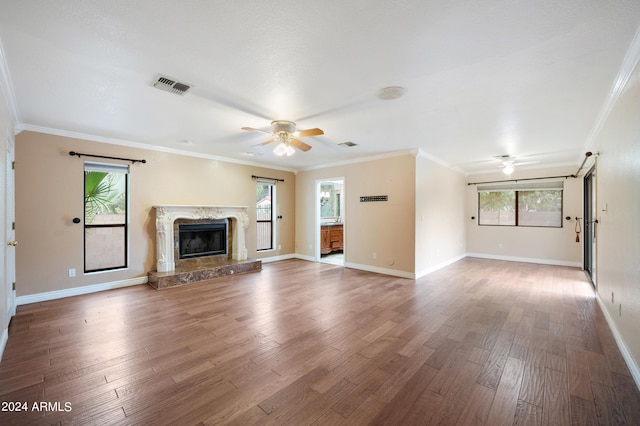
(285, 133)
(509, 162)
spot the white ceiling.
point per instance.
(519, 77)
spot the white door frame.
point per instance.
(343, 209)
(10, 251)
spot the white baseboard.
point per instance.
(77, 291)
(378, 270)
(3, 341)
(277, 258)
(628, 358)
(526, 259)
(304, 257)
(439, 266)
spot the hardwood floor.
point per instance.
(479, 342)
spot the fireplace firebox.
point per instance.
(202, 239)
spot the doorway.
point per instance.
(330, 221)
(590, 224)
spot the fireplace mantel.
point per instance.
(167, 214)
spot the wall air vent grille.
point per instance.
(370, 198)
(170, 85)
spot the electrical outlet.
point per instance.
(612, 298)
(499, 245)
(620, 311)
(279, 247)
(72, 273)
(374, 255)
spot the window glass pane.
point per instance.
(105, 198)
(497, 208)
(540, 208)
(104, 248)
(264, 216)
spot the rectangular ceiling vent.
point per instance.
(168, 84)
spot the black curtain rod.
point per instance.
(586, 157)
(254, 177)
(518, 180)
(78, 154)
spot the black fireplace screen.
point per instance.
(203, 239)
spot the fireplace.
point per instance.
(202, 239)
(170, 217)
(199, 243)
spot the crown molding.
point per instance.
(6, 86)
(424, 154)
(627, 67)
(360, 160)
(139, 145)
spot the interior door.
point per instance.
(10, 251)
(590, 225)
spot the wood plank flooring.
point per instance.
(480, 342)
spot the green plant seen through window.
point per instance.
(104, 194)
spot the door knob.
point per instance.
(12, 243)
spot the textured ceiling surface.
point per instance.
(518, 77)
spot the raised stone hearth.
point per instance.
(173, 271)
(178, 277)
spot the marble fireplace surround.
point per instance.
(167, 214)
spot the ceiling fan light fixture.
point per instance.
(508, 168)
(284, 149)
(280, 150)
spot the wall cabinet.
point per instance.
(331, 238)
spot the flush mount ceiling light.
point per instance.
(390, 93)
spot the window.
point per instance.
(105, 216)
(521, 205)
(265, 194)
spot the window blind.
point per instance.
(90, 166)
(557, 185)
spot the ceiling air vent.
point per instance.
(168, 84)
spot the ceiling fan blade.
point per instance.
(300, 145)
(251, 129)
(263, 143)
(308, 132)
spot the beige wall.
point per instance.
(49, 194)
(618, 192)
(384, 228)
(546, 245)
(440, 215)
(6, 132)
